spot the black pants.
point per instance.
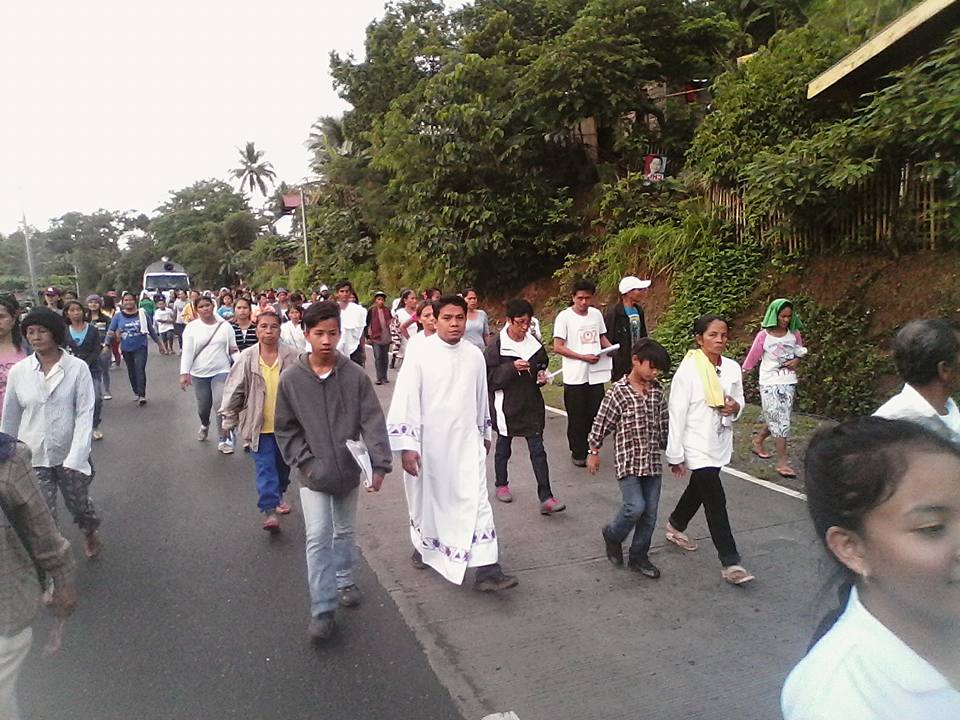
(538, 458)
(136, 361)
(359, 356)
(706, 489)
(582, 403)
(381, 354)
(178, 329)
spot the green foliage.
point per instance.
(715, 274)
(838, 377)
(916, 119)
(633, 200)
(762, 104)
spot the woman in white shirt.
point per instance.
(706, 396)
(884, 497)
(208, 345)
(291, 332)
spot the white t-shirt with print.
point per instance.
(776, 352)
(582, 335)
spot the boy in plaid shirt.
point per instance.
(636, 408)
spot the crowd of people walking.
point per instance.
(283, 376)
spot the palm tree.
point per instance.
(327, 140)
(253, 171)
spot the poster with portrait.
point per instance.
(654, 167)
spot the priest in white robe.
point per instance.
(439, 421)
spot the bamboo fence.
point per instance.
(894, 209)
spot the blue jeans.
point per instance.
(641, 496)
(203, 390)
(105, 360)
(136, 361)
(98, 398)
(273, 474)
(330, 523)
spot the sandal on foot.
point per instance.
(760, 453)
(786, 472)
(736, 575)
(681, 540)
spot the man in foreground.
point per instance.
(439, 421)
(29, 539)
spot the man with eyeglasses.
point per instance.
(516, 370)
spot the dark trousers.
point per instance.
(706, 489)
(381, 355)
(74, 486)
(538, 458)
(178, 329)
(581, 403)
(98, 399)
(136, 361)
(359, 356)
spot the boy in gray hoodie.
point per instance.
(324, 400)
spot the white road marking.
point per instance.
(733, 471)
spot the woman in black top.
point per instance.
(101, 321)
(244, 328)
(85, 342)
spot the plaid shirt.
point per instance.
(640, 422)
(29, 539)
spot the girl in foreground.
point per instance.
(884, 496)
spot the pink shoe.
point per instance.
(503, 494)
(551, 506)
(283, 508)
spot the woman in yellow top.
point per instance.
(249, 401)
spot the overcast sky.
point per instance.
(113, 103)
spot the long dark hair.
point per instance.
(9, 302)
(70, 303)
(852, 468)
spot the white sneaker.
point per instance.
(107, 396)
(97, 435)
(225, 446)
(202, 433)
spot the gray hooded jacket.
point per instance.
(315, 417)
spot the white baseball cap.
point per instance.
(632, 282)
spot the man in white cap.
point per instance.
(625, 323)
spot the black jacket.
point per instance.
(618, 331)
(516, 403)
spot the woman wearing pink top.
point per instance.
(11, 344)
(777, 348)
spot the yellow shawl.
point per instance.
(712, 390)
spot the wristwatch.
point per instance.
(593, 451)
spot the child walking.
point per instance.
(635, 408)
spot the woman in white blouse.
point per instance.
(706, 396)
(208, 346)
(291, 332)
(884, 497)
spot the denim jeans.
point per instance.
(203, 390)
(136, 361)
(330, 523)
(273, 474)
(97, 398)
(538, 458)
(706, 489)
(381, 354)
(641, 497)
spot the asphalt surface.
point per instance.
(192, 611)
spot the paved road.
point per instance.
(174, 620)
(194, 612)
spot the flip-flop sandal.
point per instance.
(786, 473)
(680, 540)
(736, 575)
(760, 454)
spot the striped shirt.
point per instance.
(640, 423)
(245, 338)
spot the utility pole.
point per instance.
(33, 276)
(303, 224)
